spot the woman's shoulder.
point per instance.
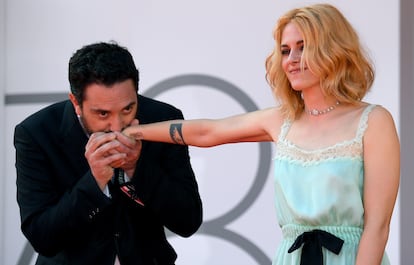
(271, 120)
(368, 111)
(274, 111)
(268, 115)
(379, 120)
(378, 114)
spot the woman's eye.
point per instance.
(285, 52)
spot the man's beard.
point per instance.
(84, 124)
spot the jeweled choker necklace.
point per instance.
(316, 112)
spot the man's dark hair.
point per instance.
(100, 63)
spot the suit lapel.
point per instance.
(73, 139)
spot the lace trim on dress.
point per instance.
(286, 150)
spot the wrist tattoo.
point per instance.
(137, 136)
(176, 133)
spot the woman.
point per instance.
(337, 159)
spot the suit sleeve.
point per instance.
(165, 181)
(52, 215)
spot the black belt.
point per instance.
(313, 241)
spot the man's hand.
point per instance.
(132, 149)
(104, 153)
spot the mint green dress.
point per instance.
(321, 189)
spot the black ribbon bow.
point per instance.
(313, 241)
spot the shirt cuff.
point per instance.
(106, 192)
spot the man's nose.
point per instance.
(117, 124)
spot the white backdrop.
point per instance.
(221, 42)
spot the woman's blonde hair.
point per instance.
(332, 51)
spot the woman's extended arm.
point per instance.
(382, 174)
(246, 127)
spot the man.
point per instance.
(75, 207)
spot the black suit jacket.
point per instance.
(69, 220)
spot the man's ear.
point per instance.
(75, 104)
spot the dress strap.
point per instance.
(284, 129)
(363, 122)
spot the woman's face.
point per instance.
(291, 49)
